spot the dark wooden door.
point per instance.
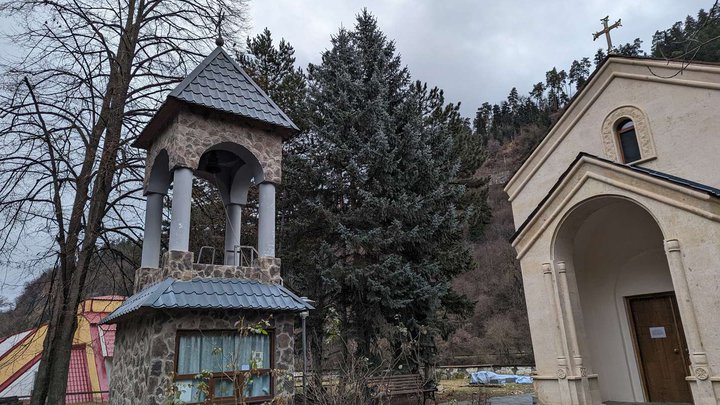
(661, 348)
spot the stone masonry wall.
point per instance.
(144, 358)
(191, 134)
(179, 265)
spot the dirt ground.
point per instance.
(461, 390)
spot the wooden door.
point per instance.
(660, 347)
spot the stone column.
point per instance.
(233, 224)
(570, 320)
(153, 230)
(181, 202)
(561, 344)
(700, 368)
(266, 220)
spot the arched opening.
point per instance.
(617, 271)
(627, 136)
(158, 184)
(224, 222)
(159, 179)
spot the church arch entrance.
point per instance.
(613, 251)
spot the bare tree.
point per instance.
(90, 74)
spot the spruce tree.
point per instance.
(373, 217)
(273, 69)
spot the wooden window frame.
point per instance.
(619, 132)
(237, 376)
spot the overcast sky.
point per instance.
(475, 50)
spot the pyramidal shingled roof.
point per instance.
(220, 83)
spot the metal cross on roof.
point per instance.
(606, 30)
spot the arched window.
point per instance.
(626, 136)
(628, 141)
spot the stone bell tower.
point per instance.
(217, 124)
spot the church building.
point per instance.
(617, 213)
(197, 331)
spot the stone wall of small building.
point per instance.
(144, 358)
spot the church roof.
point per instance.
(711, 191)
(219, 83)
(212, 293)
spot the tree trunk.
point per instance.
(51, 380)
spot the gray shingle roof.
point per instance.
(220, 83)
(211, 293)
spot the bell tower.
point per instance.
(218, 125)
(182, 321)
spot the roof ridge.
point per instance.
(214, 55)
(252, 82)
(198, 69)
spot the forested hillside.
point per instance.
(487, 147)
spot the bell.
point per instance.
(212, 165)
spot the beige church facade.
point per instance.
(617, 214)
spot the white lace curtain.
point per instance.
(222, 352)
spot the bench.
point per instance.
(383, 388)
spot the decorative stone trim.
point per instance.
(561, 373)
(701, 373)
(583, 372)
(611, 143)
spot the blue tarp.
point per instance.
(488, 377)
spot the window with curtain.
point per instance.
(628, 141)
(237, 364)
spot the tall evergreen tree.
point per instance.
(273, 69)
(374, 227)
(579, 72)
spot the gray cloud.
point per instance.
(475, 50)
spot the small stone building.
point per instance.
(617, 213)
(186, 317)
